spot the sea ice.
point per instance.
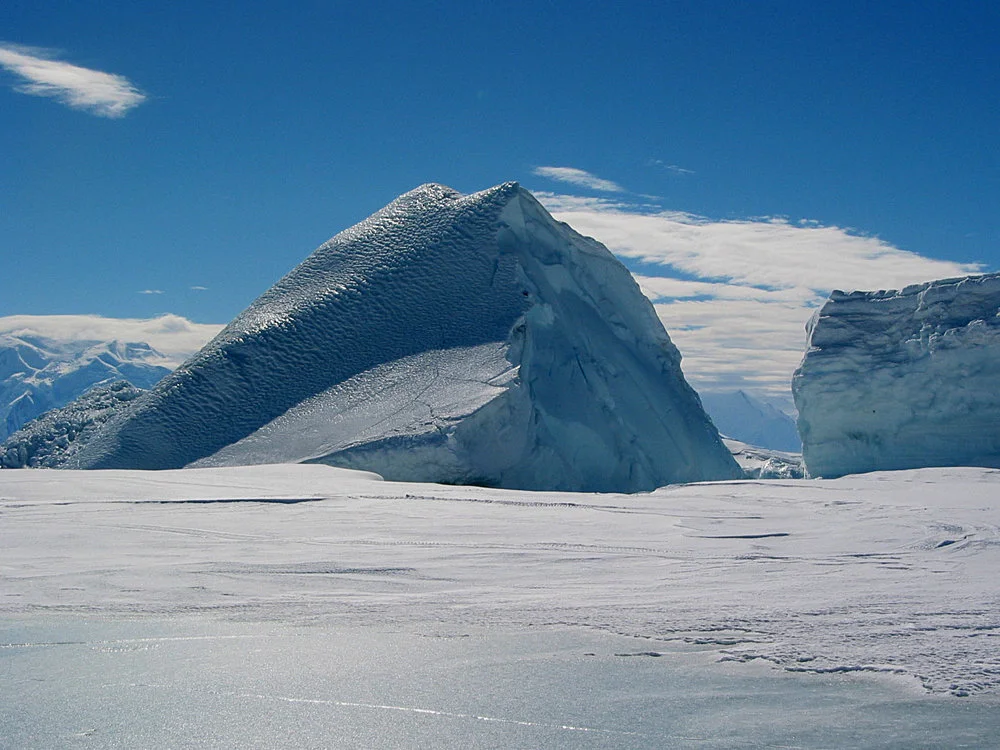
(888, 573)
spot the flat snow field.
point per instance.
(306, 606)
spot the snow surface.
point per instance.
(903, 379)
(888, 573)
(38, 373)
(467, 339)
(743, 417)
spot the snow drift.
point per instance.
(448, 338)
(903, 379)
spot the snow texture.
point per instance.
(464, 339)
(38, 373)
(51, 439)
(903, 379)
(740, 416)
(890, 573)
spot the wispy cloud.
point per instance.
(768, 252)
(175, 337)
(670, 167)
(102, 94)
(735, 295)
(579, 177)
(151, 291)
(199, 288)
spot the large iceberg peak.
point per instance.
(902, 379)
(448, 337)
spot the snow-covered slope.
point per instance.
(38, 373)
(447, 337)
(903, 379)
(739, 415)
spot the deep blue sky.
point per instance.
(269, 127)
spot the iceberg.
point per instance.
(449, 338)
(902, 379)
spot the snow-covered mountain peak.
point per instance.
(38, 372)
(751, 420)
(407, 238)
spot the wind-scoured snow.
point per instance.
(903, 379)
(421, 398)
(449, 337)
(890, 573)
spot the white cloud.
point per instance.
(670, 167)
(102, 94)
(579, 177)
(771, 253)
(735, 295)
(197, 288)
(175, 337)
(151, 291)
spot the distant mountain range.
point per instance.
(743, 417)
(38, 373)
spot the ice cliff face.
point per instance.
(903, 379)
(446, 338)
(39, 373)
